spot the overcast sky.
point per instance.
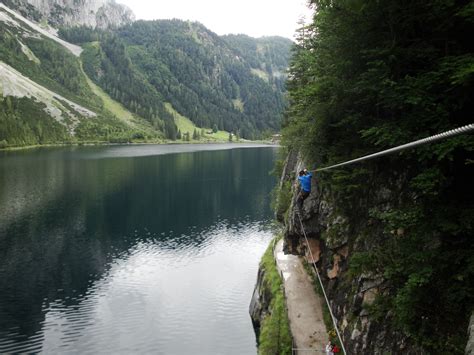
(255, 18)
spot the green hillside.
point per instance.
(148, 81)
(46, 97)
(203, 76)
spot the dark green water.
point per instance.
(142, 249)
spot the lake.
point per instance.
(132, 249)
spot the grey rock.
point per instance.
(70, 13)
(470, 342)
(322, 220)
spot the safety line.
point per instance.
(437, 137)
(321, 283)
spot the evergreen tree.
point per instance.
(370, 75)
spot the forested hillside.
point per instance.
(45, 94)
(267, 57)
(107, 63)
(160, 71)
(149, 63)
(366, 76)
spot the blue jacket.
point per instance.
(305, 182)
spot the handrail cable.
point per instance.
(321, 283)
(443, 135)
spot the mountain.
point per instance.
(203, 76)
(45, 95)
(267, 56)
(57, 13)
(146, 80)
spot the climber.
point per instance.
(305, 186)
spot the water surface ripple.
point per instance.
(132, 253)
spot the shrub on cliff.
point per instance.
(369, 75)
(275, 336)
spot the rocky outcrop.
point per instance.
(26, 28)
(90, 13)
(332, 241)
(260, 303)
(64, 111)
(470, 333)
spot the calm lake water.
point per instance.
(132, 249)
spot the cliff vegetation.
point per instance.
(268, 309)
(397, 232)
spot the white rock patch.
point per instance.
(13, 83)
(29, 54)
(12, 18)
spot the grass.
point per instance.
(115, 107)
(111, 105)
(238, 104)
(275, 335)
(119, 111)
(184, 124)
(260, 73)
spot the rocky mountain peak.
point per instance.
(70, 13)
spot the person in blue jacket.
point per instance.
(305, 186)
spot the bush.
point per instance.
(275, 335)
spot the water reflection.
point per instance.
(151, 250)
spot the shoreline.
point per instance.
(91, 144)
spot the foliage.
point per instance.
(109, 66)
(185, 125)
(24, 122)
(275, 336)
(281, 199)
(190, 68)
(366, 76)
(81, 34)
(201, 76)
(57, 69)
(24, 8)
(269, 55)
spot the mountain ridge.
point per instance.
(185, 71)
(92, 13)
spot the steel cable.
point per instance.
(431, 139)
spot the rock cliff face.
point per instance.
(91, 13)
(259, 306)
(470, 332)
(332, 242)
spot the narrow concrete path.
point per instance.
(304, 305)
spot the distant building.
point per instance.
(276, 138)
